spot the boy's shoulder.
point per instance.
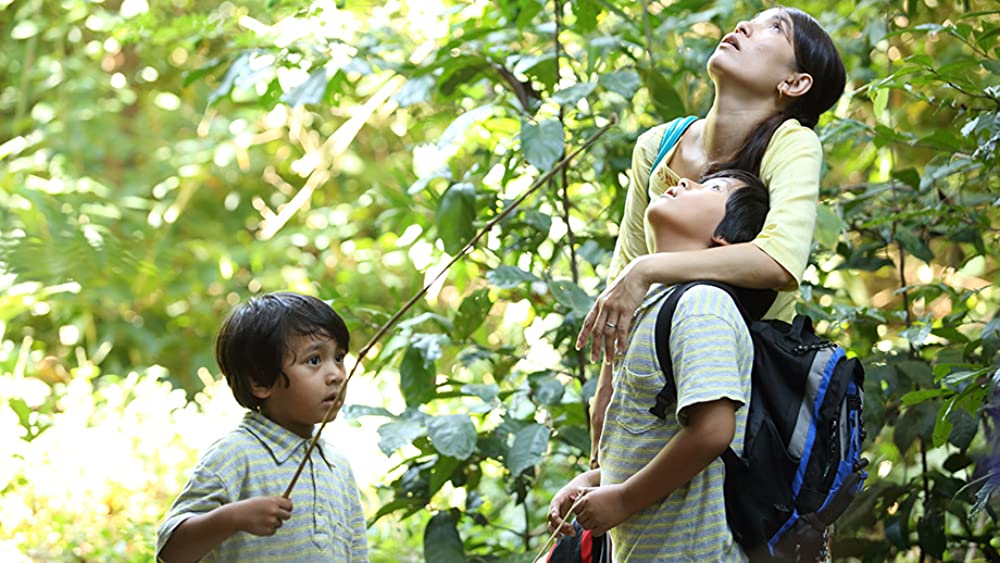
(235, 444)
(708, 300)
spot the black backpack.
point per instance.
(801, 464)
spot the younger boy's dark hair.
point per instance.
(746, 208)
(253, 342)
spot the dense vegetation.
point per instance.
(160, 161)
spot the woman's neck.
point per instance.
(730, 121)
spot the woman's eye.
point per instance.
(314, 361)
(339, 358)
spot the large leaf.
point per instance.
(509, 277)
(442, 544)
(471, 313)
(572, 94)
(666, 101)
(623, 82)
(456, 217)
(394, 435)
(542, 144)
(457, 128)
(309, 92)
(453, 435)
(529, 447)
(571, 295)
(416, 376)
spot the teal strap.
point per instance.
(673, 134)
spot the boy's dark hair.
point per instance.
(253, 341)
(746, 208)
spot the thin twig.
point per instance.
(541, 181)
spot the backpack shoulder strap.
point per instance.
(661, 340)
(673, 133)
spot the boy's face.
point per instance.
(686, 215)
(314, 365)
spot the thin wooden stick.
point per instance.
(413, 300)
(559, 527)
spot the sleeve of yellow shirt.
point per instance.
(790, 169)
(631, 241)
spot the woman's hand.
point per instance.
(610, 319)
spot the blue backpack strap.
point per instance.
(670, 137)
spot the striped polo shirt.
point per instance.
(259, 458)
(712, 355)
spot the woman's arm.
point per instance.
(744, 265)
(776, 259)
(598, 410)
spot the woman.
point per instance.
(774, 76)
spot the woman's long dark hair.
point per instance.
(816, 55)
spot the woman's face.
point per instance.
(758, 55)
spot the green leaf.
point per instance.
(529, 447)
(456, 217)
(415, 91)
(829, 226)
(964, 429)
(666, 101)
(453, 435)
(455, 131)
(509, 277)
(992, 66)
(914, 244)
(586, 12)
(571, 95)
(309, 92)
(916, 422)
(921, 395)
(442, 544)
(394, 435)
(622, 82)
(471, 313)
(239, 68)
(908, 176)
(442, 472)
(546, 389)
(416, 377)
(485, 391)
(930, 530)
(571, 295)
(542, 144)
(957, 462)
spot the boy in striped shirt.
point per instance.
(283, 356)
(659, 488)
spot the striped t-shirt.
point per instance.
(712, 354)
(259, 458)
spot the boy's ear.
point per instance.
(719, 241)
(260, 391)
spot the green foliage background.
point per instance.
(162, 161)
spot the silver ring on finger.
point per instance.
(611, 325)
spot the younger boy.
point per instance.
(659, 488)
(283, 356)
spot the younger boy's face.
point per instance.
(687, 214)
(314, 365)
